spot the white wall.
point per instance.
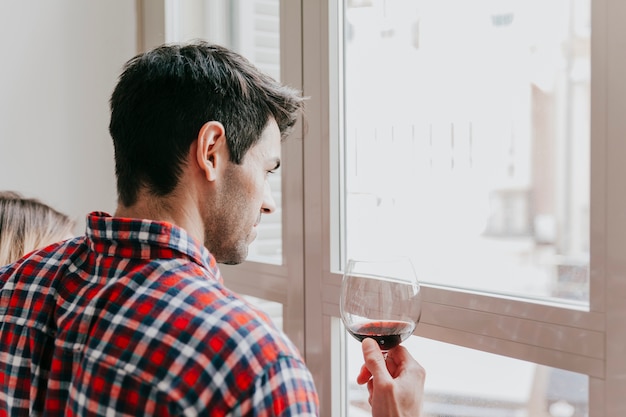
(59, 62)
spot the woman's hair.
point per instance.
(27, 224)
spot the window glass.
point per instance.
(252, 28)
(467, 141)
(464, 382)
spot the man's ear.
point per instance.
(212, 148)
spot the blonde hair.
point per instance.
(27, 224)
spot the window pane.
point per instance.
(252, 28)
(463, 382)
(467, 141)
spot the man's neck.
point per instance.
(172, 209)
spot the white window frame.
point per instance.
(591, 342)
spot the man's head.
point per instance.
(177, 104)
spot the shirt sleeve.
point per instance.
(285, 389)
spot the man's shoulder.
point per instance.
(42, 264)
(194, 303)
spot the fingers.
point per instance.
(400, 361)
(399, 355)
(363, 376)
(374, 360)
(397, 358)
(396, 385)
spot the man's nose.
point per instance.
(269, 205)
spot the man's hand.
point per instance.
(395, 385)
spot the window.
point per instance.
(466, 147)
(467, 139)
(495, 167)
(534, 195)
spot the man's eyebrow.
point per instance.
(277, 163)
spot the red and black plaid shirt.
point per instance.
(133, 319)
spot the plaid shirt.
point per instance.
(133, 319)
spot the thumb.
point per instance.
(374, 360)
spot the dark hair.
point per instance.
(166, 95)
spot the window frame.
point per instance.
(589, 342)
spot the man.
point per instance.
(133, 318)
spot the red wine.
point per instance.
(388, 333)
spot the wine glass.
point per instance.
(380, 299)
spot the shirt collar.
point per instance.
(145, 239)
